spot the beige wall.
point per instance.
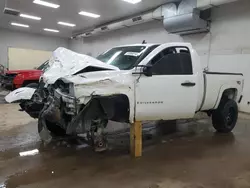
(15, 39)
(19, 58)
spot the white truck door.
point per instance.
(172, 90)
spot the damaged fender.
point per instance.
(24, 93)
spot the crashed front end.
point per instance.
(86, 108)
(60, 108)
(63, 63)
(79, 94)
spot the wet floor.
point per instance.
(193, 157)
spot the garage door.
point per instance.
(19, 58)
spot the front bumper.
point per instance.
(59, 108)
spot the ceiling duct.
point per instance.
(185, 20)
(86, 34)
(109, 27)
(138, 19)
(205, 4)
(143, 18)
(146, 17)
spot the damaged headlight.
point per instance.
(65, 101)
(65, 87)
(71, 89)
(68, 99)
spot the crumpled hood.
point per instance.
(101, 82)
(92, 77)
(65, 62)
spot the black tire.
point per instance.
(49, 131)
(224, 118)
(32, 85)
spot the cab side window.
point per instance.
(172, 61)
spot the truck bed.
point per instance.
(215, 85)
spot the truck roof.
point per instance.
(152, 44)
(146, 45)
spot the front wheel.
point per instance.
(49, 131)
(224, 118)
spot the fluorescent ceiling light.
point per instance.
(30, 17)
(19, 25)
(67, 24)
(89, 14)
(45, 3)
(133, 1)
(51, 30)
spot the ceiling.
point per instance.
(109, 10)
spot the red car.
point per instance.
(14, 79)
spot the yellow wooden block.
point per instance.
(136, 139)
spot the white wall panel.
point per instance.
(225, 48)
(28, 41)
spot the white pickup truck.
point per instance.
(140, 82)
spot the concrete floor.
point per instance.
(194, 157)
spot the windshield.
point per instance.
(125, 57)
(44, 66)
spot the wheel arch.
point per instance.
(227, 92)
(113, 107)
(116, 107)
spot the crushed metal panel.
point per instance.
(24, 93)
(65, 62)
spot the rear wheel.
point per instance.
(225, 116)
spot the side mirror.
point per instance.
(147, 71)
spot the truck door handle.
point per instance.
(188, 84)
